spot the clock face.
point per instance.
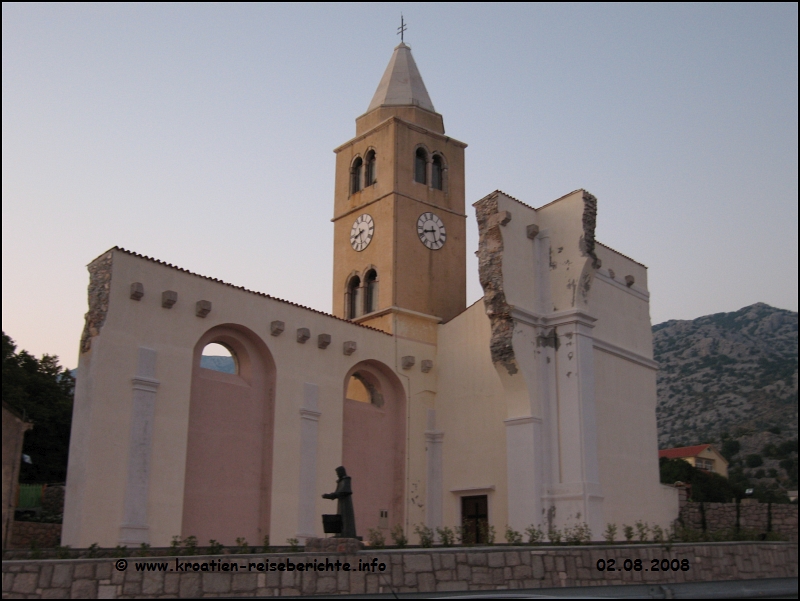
(361, 232)
(430, 230)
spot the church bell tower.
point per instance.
(399, 223)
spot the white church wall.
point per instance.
(470, 411)
(98, 472)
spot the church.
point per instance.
(533, 406)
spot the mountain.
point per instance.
(730, 376)
(218, 363)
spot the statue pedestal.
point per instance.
(333, 545)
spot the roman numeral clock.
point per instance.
(361, 233)
(430, 230)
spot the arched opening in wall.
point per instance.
(364, 389)
(355, 175)
(437, 172)
(369, 169)
(371, 291)
(352, 297)
(420, 166)
(228, 477)
(373, 444)
(218, 357)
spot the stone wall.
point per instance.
(752, 516)
(25, 535)
(417, 570)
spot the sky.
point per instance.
(202, 135)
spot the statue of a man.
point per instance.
(344, 495)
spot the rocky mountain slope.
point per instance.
(728, 375)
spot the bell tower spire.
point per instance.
(399, 222)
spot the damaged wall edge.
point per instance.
(490, 271)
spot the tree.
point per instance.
(706, 487)
(41, 391)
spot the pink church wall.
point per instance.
(229, 451)
(373, 449)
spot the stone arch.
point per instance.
(438, 171)
(374, 446)
(422, 164)
(352, 296)
(228, 480)
(356, 174)
(370, 281)
(370, 167)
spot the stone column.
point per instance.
(578, 488)
(134, 529)
(434, 516)
(524, 465)
(307, 497)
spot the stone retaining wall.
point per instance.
(752, 516)
(419, 570)
(26, 535)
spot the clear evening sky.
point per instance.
(201, 135)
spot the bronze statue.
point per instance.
(344, 495)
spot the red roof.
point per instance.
(683, 451)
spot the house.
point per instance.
(702, 456)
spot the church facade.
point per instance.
(534, 406)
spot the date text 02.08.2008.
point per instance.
(656, 565)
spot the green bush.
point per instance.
(425, 535)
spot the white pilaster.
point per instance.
(577, 490)
(524, 461)
(307, 498)
(434, 516)
(134, 528)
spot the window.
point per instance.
(437, 172)
(420, 166)
(218, 357)
(355, 175)
(369, 172)
(352, 297)
(371, 291)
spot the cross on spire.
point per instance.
(401, 30)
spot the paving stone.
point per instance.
(216, 583)
(83, 589)
(190, 586)
(410, 579)
(495, 560)
(451, 586)
(171, 584)
(512, 558)
(371, 584)
(326, 585)
(481, 575)
(103, 571)
(8, 581)
(426, 583)
(25, 583)
(84, 571)
(45, 575)
(153, 583)
(106, 591)
(55, 593)
(477, 559)
(463, 572)
(62, 576)
(343, 581)
(538, 567)
(443, 575)
(418, 563)
(132, 589)
(244, 582)
(358, 583)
